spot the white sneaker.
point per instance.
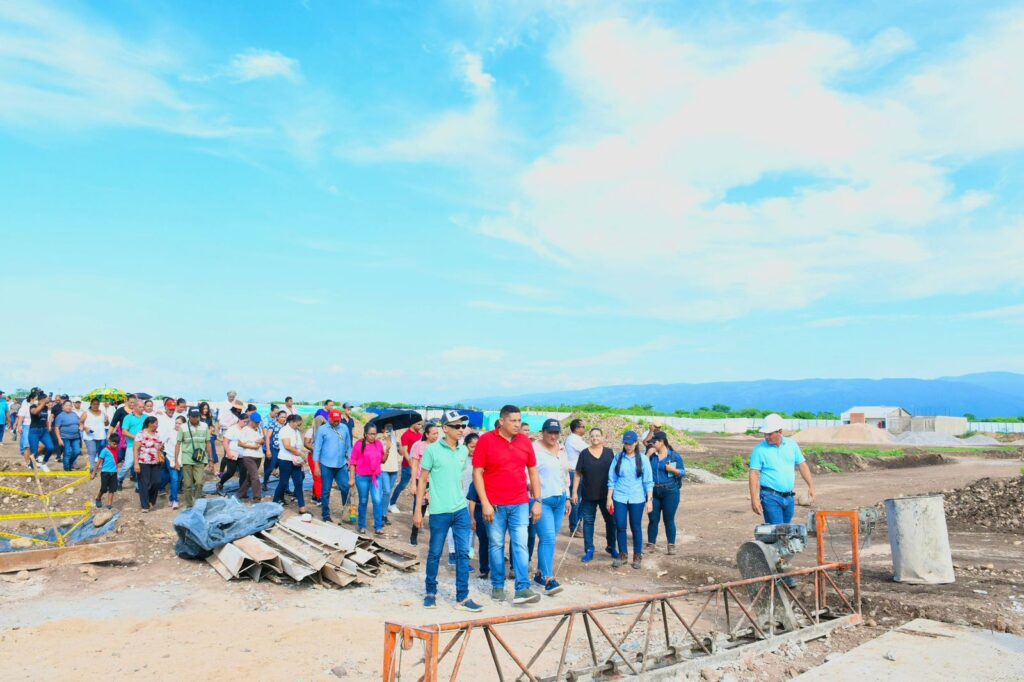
(394, 509)
(44, 468)
(39, 459)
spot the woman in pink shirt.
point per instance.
(367, 456)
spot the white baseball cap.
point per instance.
(772, 423)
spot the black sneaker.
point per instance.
(552, 588)
(539, 579)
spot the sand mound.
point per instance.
(930, 439)
(987, 504)
(979, 439)
(694, 475)
(849, 434)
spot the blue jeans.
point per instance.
(175, 481)
(72, 449)
(3, 427)
(458, 522)
(386, 479)
(370, 492)
(511, 519)
(482, 540)
(574, 514)
(129, 461)
(402, 483)
(269, 467)
(633, 512)
(588, 510)
(547, 528)
(777, 509)
(288, 471)
(23, 445)
(93, 448)
(37, 436)
(213, 449)
(329, 476)
(665, 502)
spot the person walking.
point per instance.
(431, 434)
(193, 453)
(167, 428)
(502, 463)
(106, 466)
(56, 407)
(630, 486)
(772, 476)
(668, 470)
(131, 425)
(476, 513)
(290, 460)
(94, 426)
(590, 490)
(443, 464)
(367, 455)
(38, 433)
(347, 419)
(574, 445)
(232, 463)
(148, 461)
(68, 428)
(272, 442)
(390, 469)
(5, 413)
(332, 447)
(409, 438)
(206, 416)
(250, 448)
(553, 469)
(289, 407)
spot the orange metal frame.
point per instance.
(399, 637)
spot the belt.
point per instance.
(777, 492)
(666, 485)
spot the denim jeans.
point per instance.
(72, 449)
(288, 471)
(633, 513)
(330, 476)
(37, 436)
(511, 520)
(368, 492)
(3, 428)
(23, 444)
(665, 502)
(588, 510)
(213, 449)
(574, 514)
(484, 545)
(386, 479)
(269, 467)
(93, 447)
(128, 464)
(175, 474)
(458, 522)
(777, 509)
(402, 483)
(550, 523)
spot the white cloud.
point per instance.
(1006, 312)
(671, 123)
(479, 80)
(59, 69)
(472, 354)
(256, 64)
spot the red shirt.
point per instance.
(409, 439)
(504, 464)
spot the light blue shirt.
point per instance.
(4, 408)
(332, 446)
(777, 464)
(625, 485)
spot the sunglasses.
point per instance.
(456, 426)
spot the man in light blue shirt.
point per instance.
(772, 476)
(331, 450)
(4, 411)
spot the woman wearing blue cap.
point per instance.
(669, 469)
(630, 486)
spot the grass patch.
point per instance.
(829, 466)
(860, 452)
(976, 449)
(734, 469)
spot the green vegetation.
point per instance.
(1001, 420)
(734, 469)
(737, 469)
(976, 449)
(860, 452)
(829, 466)
(716, 411)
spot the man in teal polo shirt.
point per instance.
(773, 465)
(442, 467)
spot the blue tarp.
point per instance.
(212, 523)
(231, 487)
(86, 531)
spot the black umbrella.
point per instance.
(142, 396)
(396, 419)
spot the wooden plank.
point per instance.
(32, 559)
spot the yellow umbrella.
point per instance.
(107, 394)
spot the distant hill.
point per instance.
(989, 394)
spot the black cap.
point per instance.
(193, 412)
(551, 426)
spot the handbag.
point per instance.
(198, 455)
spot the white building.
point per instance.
(891, 418)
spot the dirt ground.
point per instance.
(167, 617)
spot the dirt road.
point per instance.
(170, 618)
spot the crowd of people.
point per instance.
(510, 490)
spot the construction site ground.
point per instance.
(166, 617)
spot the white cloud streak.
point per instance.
(256, 64)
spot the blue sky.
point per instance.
(434, 201)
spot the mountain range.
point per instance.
(987, 394)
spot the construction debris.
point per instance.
(987, 504)
(11, 562)
(307, 551)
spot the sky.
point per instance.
(434, 201)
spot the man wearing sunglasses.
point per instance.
(442, 467)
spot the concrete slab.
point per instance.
(928, 650)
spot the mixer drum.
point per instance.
(757, 559)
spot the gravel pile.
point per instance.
(987, 504)
(850, 434)
(979, 439)
(930, 439)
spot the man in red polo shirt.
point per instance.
(501, 463)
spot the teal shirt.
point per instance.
(446, 466)
(131, 425)
(777, 464)
(5, 409)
